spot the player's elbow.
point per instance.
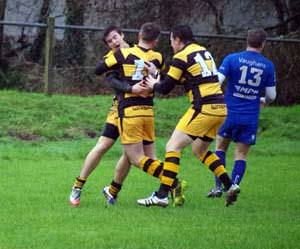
(221, 78)
(161, 88)
(270, 94)
(165, 86)
(100, 68)
(98, 71)
(270, 98)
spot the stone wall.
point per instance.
(229, 16)
(204, 16)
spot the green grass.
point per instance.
(67, 117)
(36, 177)
(72, 117)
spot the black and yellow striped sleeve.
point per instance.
(160, 62)
(165, 86)
(109, 62)
(176, 69)
(118, 84)
(114, 59)
(101, 67)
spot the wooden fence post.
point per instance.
(49, 47)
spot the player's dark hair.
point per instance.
(108, 30)
(183, 32)
(256, 38)
(150, 31)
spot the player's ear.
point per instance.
(154, 43)
(177, 39)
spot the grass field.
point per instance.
(36, 177)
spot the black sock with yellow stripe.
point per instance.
(214, 163)
(170, 171)
(151, 166)
(79, 182)
(114, 188)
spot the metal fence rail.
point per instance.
(56, 73)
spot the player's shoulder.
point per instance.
(107, 54)
(158, 55)
(134, 49)
(186, 51)
(267, 61)
(126, 51)
(234, 58)
(234, 55)
(263, 60)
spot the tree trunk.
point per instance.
(74, 39)
(294, 9)
(218, 15)
(281, 9)
(38, 44)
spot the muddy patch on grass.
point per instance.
(24, 136)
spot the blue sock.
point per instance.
(238, 171)
(222, 155)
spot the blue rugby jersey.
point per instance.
(248, 73)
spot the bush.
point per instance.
(12, 79)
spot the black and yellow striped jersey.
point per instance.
(111, 77)
(194, 67)
(129, 64)
(109, 53)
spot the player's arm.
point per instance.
(221, 78)
(156, 66)
(270, 94)
(270, 90)
(109, 63)
(117, 84)
(161, 86)
(101, 68)
(124, 86)
(169, 81)
(151, 68)
(224, 69)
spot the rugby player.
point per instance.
(113, 37)
(135, 111)
(248, 74)
(193, 67)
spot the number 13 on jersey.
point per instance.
(254, 78)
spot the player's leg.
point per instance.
(89, 165)
(137, 137)
(207, 127)
(176, 143)
(105, 142)
(222, 145)
(240, 157)
(121, 171)
(138, 145)
(244, 136)
(178, 187)
(149, 149)
(211, 160)
(149, 164)
(95, 155)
